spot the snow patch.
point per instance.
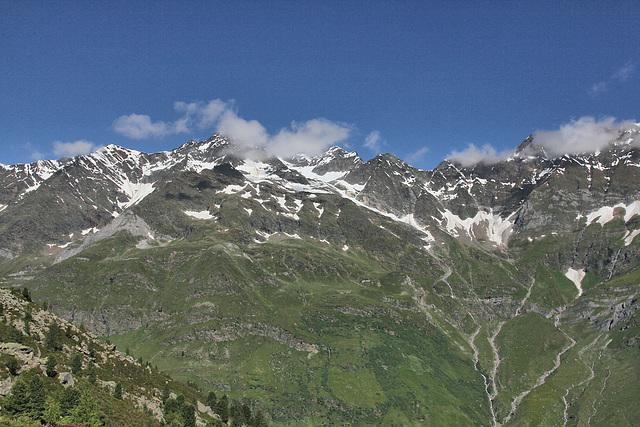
(282, 201)
(606, 213)
(199, 215)
(307, 172)
(255, 171)
(628, 238)
(576, 277)
(135, 191)
(233, 189)
(483, 225)
(89, 230)
(198, 166)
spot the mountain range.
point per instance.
(329, 290)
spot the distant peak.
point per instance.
(390, 159)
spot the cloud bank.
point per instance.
(473, 155)
(71, 149)
(140, 126)
(311, 137)
(581, 136)
(584, 135)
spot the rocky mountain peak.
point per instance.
(327, 266)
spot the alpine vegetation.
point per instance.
(322, 289)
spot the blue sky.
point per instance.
(420, 79)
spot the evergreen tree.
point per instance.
(91, 349)
(166, 393)
(188, 413)
(15, 335)
(86, 413)
(17, 402)
(13, 365)
(76, 364)
(171, 405)
(246, 413)
(172, 411)
(258, 420)
(37, 397)
(117, 392)
(51, 366)
(68, 399)
(180, 400)
(52, 411)
(28, 317)
(53, 337)
(222, 408)
(26, 294)
(91, 373)
(212, 399)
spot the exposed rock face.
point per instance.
(312, 269)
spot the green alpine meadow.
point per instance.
(323, 290)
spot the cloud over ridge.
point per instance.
(311, 137)
(474, 155)
(585, 135)
(582, 136)
(71, 149)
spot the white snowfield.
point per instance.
(628, 238)
(576, 277)
(199, 215)
(484, 225)
(606, 213)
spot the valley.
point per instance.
(329, 290)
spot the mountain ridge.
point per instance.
(334, 290)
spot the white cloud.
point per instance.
(473, 155)
(245, 132)
(621, 75)
(584, 135)
(34, 153)
(599, 87)
(140, 126)
(373, 142)
(70, 149)
(205, 115)
(37, 155)
(311, 138)
(624, 73)
(417, 155)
